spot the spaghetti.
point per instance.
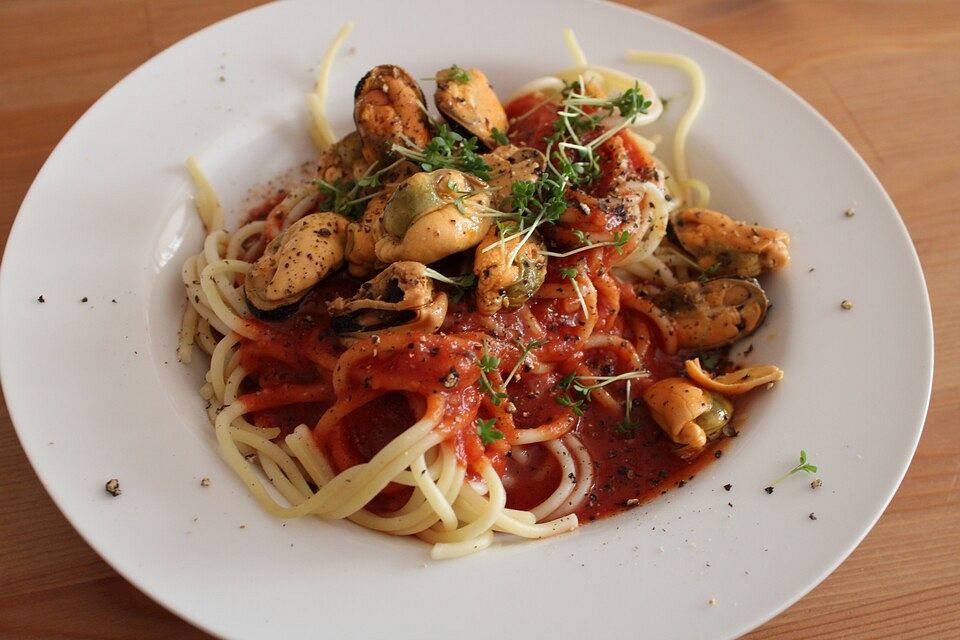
(544, 382)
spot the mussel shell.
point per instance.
(686, 304)
(488, 111)
(365, 320)
(276, 313)
(367, 83)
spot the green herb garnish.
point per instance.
(626, 426)
(524, 350)
(619, 239)
(803, 466)
(709, 361)
(581, 388)
(343, 196)
(487, 432)
(570, 161)
(461, 284)
(576, 406)
(448, 150)
(571, 273)
(457, 74)
(709, 271)
(488, 364)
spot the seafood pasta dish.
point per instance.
(479, 315)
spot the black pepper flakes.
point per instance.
(451, 379)
(113, 487)
(812, 516)
(727, 487)
(40, 299)
(769, 489)
(83, 299)
(717, 453)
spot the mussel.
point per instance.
(509, 164)
(434, 215)
(690, 416)
(389, 109)
(362, 235)
(467, 101)
(293, 263)
(714, 313)
(724, 246)
(502, 284)
(401, 297)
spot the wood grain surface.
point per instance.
(886, 73)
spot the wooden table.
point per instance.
(885, 73)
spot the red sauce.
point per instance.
(384, 387)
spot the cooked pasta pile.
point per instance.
(502, 319)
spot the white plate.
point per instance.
(96, 392)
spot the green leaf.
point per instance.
(448, 150)
(620, 239)
(567, 380)
(499, 137)
(487, 432)
(574, 405)
(803, 466)
(488, 363)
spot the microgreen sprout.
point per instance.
(571, 274)
(709, 271)
(456, 74)
(460, 283)
(499, 137)
(802, 466)
(602, 381)
(619, 239)
(447, 150)
(488, 364)
(627, 427)
(576, 406)
(343, 196)
(488, 434)
(580, 389)
(570, 160)
(524, 350)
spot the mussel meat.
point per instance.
(690, 416)
(724, 246)
(467, 101)
(401, 297)
(293, 263)
(389, 109)
(507, 286)
(714, 313)
(434, 215)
